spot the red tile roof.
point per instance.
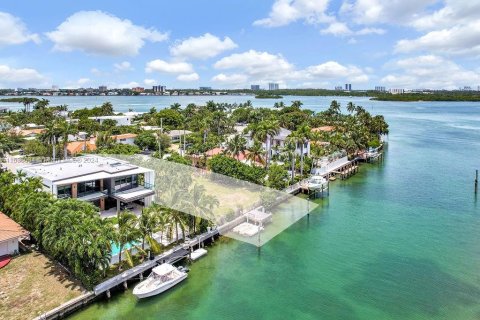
(9, 229)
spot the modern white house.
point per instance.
(108, 183)
(10, 234)
(125, 120)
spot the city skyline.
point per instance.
(368, 43)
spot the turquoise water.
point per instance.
(400, 240)
(116, 248)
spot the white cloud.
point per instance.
(263, 67)
(149, 82)
(454, 12)
(284, 12)
(456, 40)
(232, 79)
(188, 77)
(10, 77)
(366, 31)
(95, 71)
(335, 70)
(168, 67)
(202, 47)
(98, 32)
(123, 66)
(83, 81)
(453, 29)
(256, 63)
(80, 83)
(128, 85)
(380, 11)
(13, 31)
(337, 29)
(431, 72)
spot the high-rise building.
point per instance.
(273, 86)
(379, 88)
(138, 89)
(338, 88)
(102, 88)
(348, 86)
(255, 87)
(205, 88)
(159, 89)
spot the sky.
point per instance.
(236, 43)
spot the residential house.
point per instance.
(126, 138)
(125, 120)
(277, 143)
(76, 147)
(175, 135)
(10, 234)
(108, 183)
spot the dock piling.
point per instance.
(476, 181)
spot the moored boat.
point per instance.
(160, 279)
(317, 183)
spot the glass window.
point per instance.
(64, 191)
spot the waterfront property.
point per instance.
(125, 120)
(276, 142)
(10, 234)
(106, 182)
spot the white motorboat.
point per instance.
(160, 279)
(317, 183)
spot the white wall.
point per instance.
(130, 141)
(8, 247)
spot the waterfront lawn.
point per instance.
(230, 197)
(32, 284)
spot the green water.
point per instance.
(399, 240)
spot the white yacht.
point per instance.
(317, 183)
(160, 279)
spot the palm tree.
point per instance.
(51, 135)
(177, 218)
(147, 224)
(297, 104)
(236, 146)
(351, 107)
(176, 106)
(202, 204)
(104, 140)
(290, 148)
(302, 134)
(126, 232)
(66, 129)
(255, 153)
(264, 131)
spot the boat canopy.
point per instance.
(163, 269)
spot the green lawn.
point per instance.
(32, 284)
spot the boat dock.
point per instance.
(171, 256)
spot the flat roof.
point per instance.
(85, 168)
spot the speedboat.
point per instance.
(160, 279)
(317, 182)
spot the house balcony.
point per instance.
(134, 193)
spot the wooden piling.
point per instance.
(476, 181)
